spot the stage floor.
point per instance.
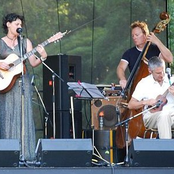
(87, 170)
(147, 156)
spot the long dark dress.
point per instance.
(11, 110)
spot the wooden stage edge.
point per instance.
(87, 170)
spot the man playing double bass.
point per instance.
(142, 39)
(140, 36)
(155, 95)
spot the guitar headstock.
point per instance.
(55, 38)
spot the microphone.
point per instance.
(19, 30)
(168, 71)
(118, 113)
(32, 80)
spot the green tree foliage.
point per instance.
(171, 29)
(100, 30)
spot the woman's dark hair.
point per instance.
(10, 18)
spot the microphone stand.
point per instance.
(43, 105)
(51, 70)
(54, 104)
(20, 42)
(72, 115)
(126, 128)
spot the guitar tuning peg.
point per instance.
(56, 41)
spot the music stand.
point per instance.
(86, 91)
(83, 91)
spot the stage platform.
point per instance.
(68, 156)
(89, 170)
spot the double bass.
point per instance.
(140, 70)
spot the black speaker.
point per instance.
(9, 153)
(77, 124)
(67, 68)
(77, 103)
(74, 68)
(64, 152)
(151, 153)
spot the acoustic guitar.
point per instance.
(161, 100)
(8, 78)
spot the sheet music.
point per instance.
(86, 90)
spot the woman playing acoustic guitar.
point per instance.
(12, 106)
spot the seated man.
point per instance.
(155, 90)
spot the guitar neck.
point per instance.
(30, 53)
(27, 55)
(166, 92)
(50, 40)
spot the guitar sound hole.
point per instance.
(11, 65)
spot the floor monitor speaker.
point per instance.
(9, 153)
(151, 153)
(64, 152)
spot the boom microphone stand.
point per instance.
(43, 105)
(53, 94)
(126, 126)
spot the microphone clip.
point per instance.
(32, 80)
(159, 102)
